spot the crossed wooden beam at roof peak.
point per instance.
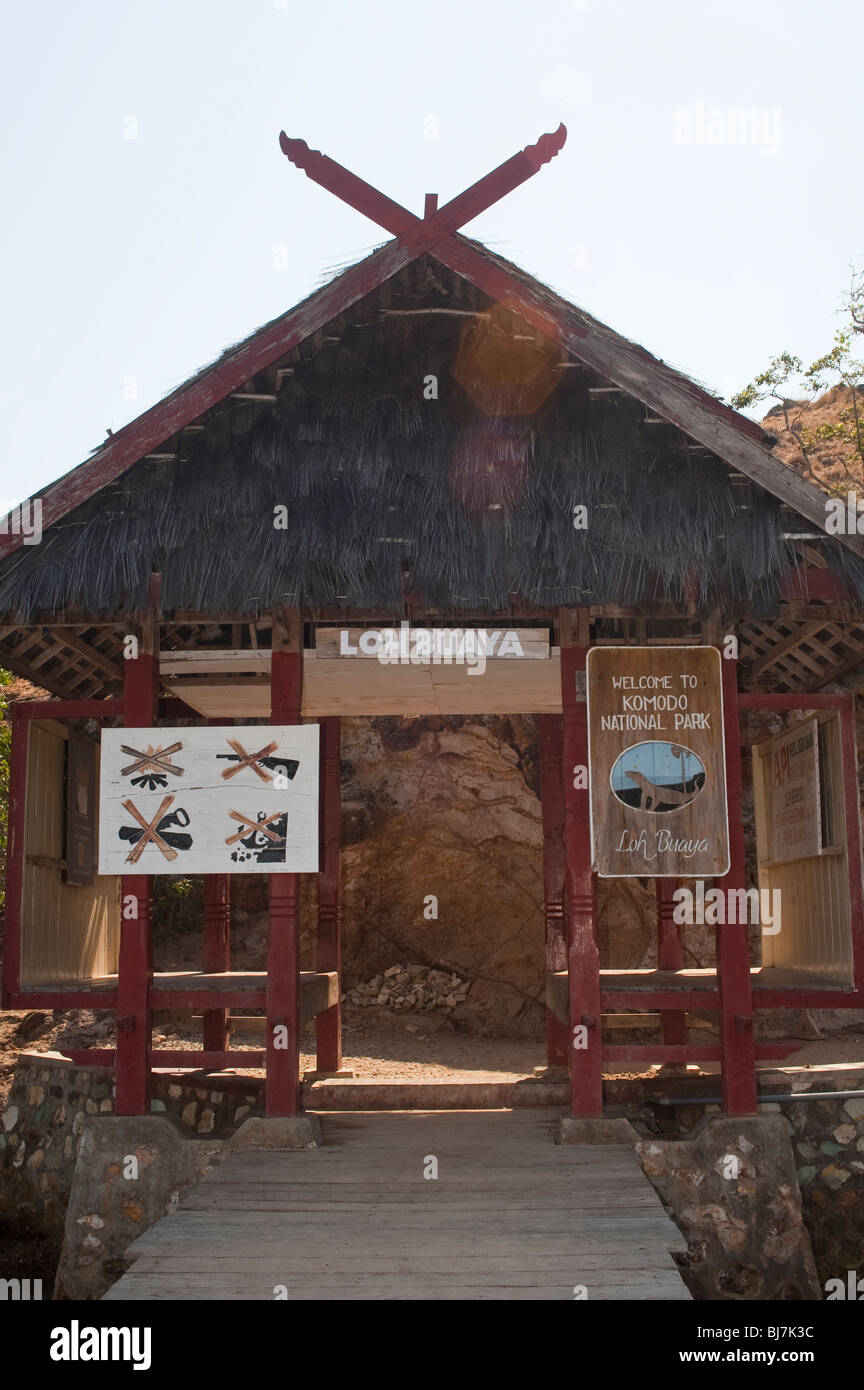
(413, 233)
(414, 236)
(734, 438)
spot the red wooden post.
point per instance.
(670, 956)
(283, 948)
(737, 1040)
(135, 967)
(15, 855)
(216, 956)
(554, 872)
(586, 1063)
(328, 1026)
(851, 805)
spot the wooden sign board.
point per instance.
(792, 792)
(433, 646)
(230, 800)
(657, 770)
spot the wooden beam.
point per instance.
(135, 965)
(554, 872)
(852, 814)
(670, 956)
(216, 953)
(200, 660)
(283, 946)
(328, 1025)
(828, 612)
(737, 1039)
(585, 1046)
(422, 233)
(15, 851)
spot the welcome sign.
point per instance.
(657, 772)
(216, 800)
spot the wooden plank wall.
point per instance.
(67, 932)
(815, 934)
(354, 687)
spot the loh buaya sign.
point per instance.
(405, 645)
(793, 793)
(229, 800)
(657, 771)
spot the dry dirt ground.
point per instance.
(375, 1049)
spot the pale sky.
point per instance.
(151, 219)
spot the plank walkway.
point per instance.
(511, 1215)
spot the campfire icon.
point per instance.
(152, 767)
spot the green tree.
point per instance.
(787, 374)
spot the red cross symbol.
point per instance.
(153, 760)
(150, 832)
(249, 760)
(249, 825)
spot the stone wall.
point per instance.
(130, 1173)
(827, 1149)
(50, 1100)
(828, 1143)
(733, 1192)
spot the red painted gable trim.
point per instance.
(731, 436)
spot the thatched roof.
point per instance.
(465, 501)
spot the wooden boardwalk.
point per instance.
(511, 1215)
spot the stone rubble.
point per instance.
(411, 988)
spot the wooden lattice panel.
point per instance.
(85, 662)
(788, 655)
(75, 663)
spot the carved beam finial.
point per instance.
(423, 233)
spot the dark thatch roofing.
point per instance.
(465, 501)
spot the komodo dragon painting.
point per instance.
(655, 798)
(658, 777)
